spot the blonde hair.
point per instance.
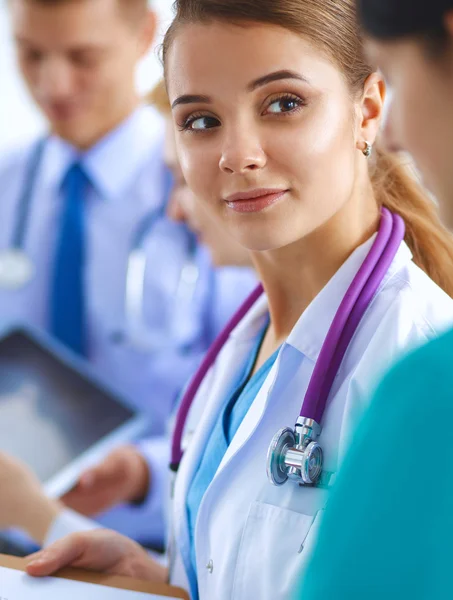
(158, 97)
(332, 26)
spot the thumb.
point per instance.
(61, 554)
(88, 478)
(105, 470)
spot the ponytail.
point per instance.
(428, 239)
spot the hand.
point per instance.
(122, 477)
(100, 550)
(23, 503)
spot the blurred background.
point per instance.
(19, 118)
(113, 284)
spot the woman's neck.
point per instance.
(294, 275)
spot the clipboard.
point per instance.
(113, 581)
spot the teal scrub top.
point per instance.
(388, 528)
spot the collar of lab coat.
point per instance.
(113, 163)
(317, 318)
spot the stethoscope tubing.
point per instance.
(361, 306)
(344, 325)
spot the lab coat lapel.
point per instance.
(252, 417)
(208, 404)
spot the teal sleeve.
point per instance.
(388, 527)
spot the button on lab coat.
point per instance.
(127, 176)
(252, 539)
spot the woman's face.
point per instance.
(420, 115)
(265, 128)
(183, 207)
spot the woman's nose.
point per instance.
(242, 153)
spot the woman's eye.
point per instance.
(202, 123)
(284, 105)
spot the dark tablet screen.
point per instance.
(49, 413)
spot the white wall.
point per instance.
(19, 119)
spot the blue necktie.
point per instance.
(67, 309)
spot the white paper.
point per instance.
(16, 585)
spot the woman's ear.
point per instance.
(371, 108)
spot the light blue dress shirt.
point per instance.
(242, 395)
(127, 173)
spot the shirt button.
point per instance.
(210, 567)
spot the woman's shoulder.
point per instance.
(409, 311)
(419, 301)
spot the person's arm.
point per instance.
(23, 503)
(388, 526)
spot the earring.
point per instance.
(367, 150)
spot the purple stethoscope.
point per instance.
(294, 453)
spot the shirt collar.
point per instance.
(113, 163)
(253, 322)
(311, 330)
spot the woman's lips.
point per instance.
(254, 200)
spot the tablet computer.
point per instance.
(54, 414)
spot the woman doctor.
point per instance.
(275, 118)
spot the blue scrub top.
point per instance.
(388, 528)
(244, 392)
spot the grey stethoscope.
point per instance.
(17, 268)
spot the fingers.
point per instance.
(101, 550)
(112, 467)
(63, 553)
(106, 470)
(98, 476)
(89, 478)
(122, 477)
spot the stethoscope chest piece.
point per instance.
(16, 269)
(293, 454)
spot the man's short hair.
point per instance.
(132, 8)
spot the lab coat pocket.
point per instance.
(272, 553)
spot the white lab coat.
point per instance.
(256, 537)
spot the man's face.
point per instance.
(78, 59)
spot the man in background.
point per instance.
(75, 204)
